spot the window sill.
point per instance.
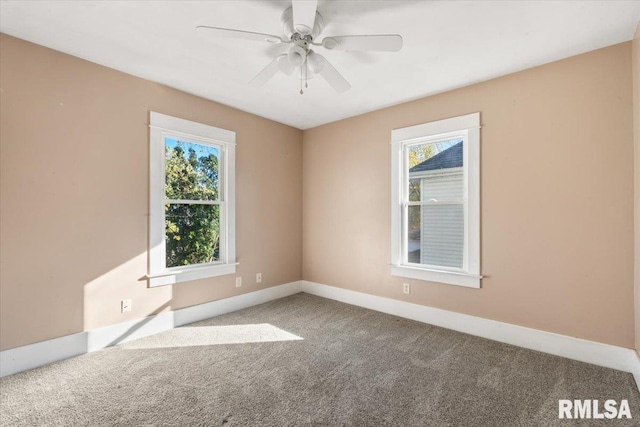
(171, 277)
(438, 276)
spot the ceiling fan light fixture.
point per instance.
(284, 65)
(296, 56)
(315, 62)
(302, 24)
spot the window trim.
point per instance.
(469, 125)
(161, 126)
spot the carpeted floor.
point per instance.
(310, 361)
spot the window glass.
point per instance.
(435, 205)
(191, 170)
(192, 233)
(192, 211)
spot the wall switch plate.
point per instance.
(406, 288)
(258, 277)
(238, 282)
(125, 306)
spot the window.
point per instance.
(191, 201)
(435, 210)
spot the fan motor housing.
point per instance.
(289, 31)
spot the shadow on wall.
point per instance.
(130, 333)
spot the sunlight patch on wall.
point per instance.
(213, 335)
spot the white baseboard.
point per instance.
(33, 355)
(126, 331)
(228, 305)
(592, 352)
(41, 353)
(635, 357)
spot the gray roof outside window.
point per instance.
(449, 158)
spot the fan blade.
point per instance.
(381, 43)
(238, 34)
(266, 74)
(332, 76)
(304, 15)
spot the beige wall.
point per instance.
(74, 195)
(636, 139)
(557, 188)
(557, 199)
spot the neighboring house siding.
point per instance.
(442, 229)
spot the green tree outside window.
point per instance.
(192, 230)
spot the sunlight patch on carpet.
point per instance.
(213, 335)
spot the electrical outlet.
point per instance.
(125, 306)
(258, 277)
(238, 282)
(406, 288)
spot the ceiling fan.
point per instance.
(302, 24)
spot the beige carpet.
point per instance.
(305, 360)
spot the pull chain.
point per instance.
(304, 75)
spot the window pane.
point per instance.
(192, 234)
(433, 159)
(442, 234)
(442, 187)
(191, 170)
(435, 235)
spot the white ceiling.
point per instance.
(447, 44)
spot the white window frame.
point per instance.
(160, 127)
(468, 128)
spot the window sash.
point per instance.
(406, 203)
(405, 241)
(436, 202)
(220, 201)
(160, 127)
(193, 202)
(223, 232)
(201, 141)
